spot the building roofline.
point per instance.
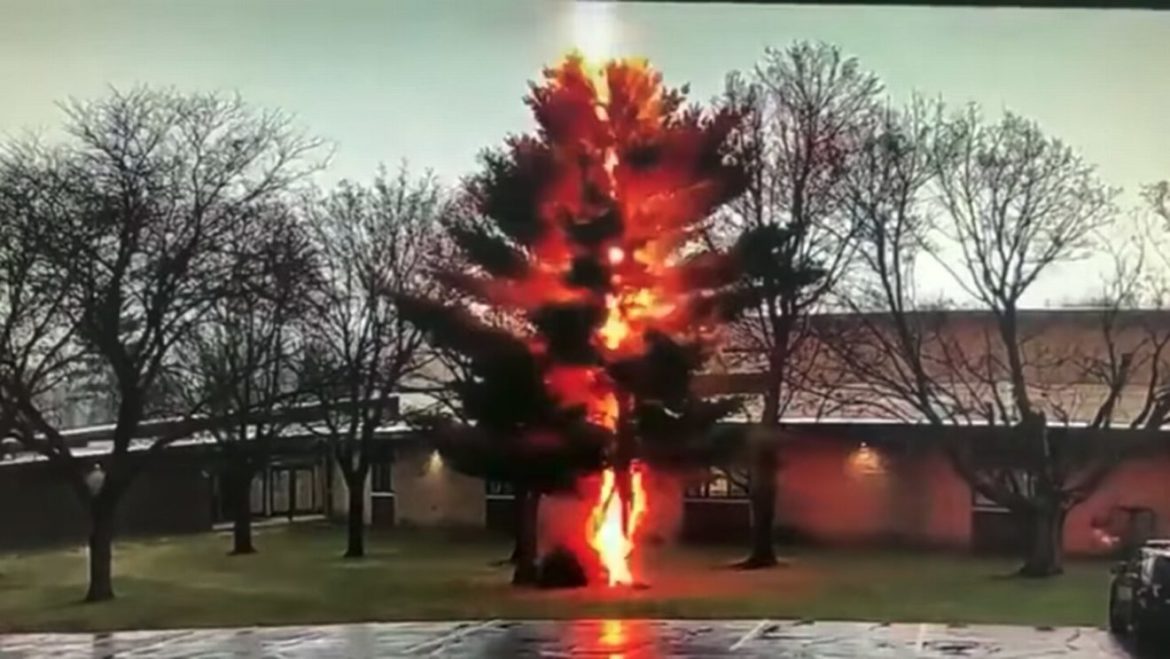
(396, 431)
(874, 429)
(1027, 313)
(151, 428)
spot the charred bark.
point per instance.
(525, 571)
(517, 522)
(622, 459)
(518, 512)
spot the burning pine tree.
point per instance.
(588, 299)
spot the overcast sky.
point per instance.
(434, 81)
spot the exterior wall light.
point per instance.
(434, 463)
(95, 479)
(865, 461)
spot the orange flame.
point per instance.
(615, 141)
(614, 521)
(628, 314)
(611, 532)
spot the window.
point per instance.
(499, 489)
(258, 496)
(381, 477)
(304, 493)
(1160, 572)
(1023, 483)
(722, 484)
(1148, 567)
(279, 496)
(980, 502)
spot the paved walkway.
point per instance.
(606, 638)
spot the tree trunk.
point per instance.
(242, 513)
(517, 522)
(763, 478)
(1045, 547)
(101, 554)
(623, 487)
(525, 572)
(763, 509)
(515, 555)
(356, 519)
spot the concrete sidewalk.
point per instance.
(607, 638)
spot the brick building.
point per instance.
(852, 477)
(846, 478)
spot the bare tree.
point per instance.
(39, 348)
(240, 361)
(374, 243)
(802, 112)
(127, 231)
(1158, 194)
(1013, 203)
(448, 374)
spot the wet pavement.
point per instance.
(577, 638)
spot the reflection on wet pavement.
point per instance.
(581, 638)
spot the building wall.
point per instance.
(840, 493)
(1054, 343)
(852, 492)
(1064, 352)
(823, 499)
(38, 509)
(1139, 483)
(428, 493)
(382, 510)
(949, 518)
(832, 491)
(339, 501)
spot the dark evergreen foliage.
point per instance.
(537, 229)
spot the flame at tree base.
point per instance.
(614, 522)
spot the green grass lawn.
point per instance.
(299, 577)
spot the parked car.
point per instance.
(1139, 595)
